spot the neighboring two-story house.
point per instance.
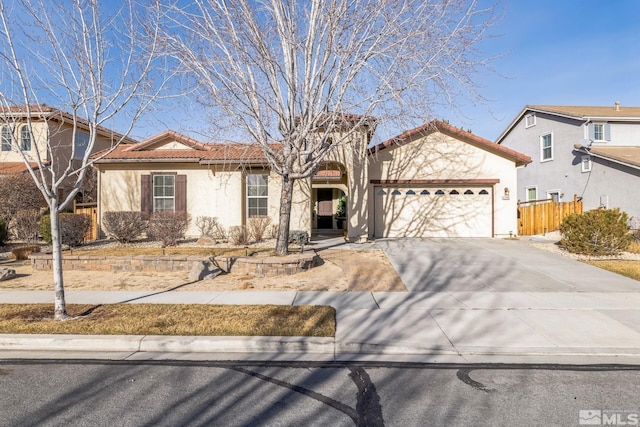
(46, 133)
(591, 152)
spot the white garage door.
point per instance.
(433, 211)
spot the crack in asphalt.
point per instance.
(347, 410)
(368, 403)
(463, 375)
(368, 412)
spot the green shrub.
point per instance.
(45, 228)
(299, 237)
(73, 228)
(3, 231)
(596, 232)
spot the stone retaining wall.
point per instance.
(261, 267)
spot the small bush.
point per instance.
(23, 252)
(299, 237)
(258, 227)
(168, 227)
(239, 235)
(210, 227)
(26, 225)
(124, 226)
(73, 228)
(3, 231)
(272, 231)
(596, 232)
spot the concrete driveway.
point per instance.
(494, 265)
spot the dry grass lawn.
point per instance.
(629, 268)
(162, 319)
(341, 271)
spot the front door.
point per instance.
(325, 208)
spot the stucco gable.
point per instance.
(169, 140)
(437, 126)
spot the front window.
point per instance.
(257, 195)
(546, 147)
(6, 138)
(25, 138)
(164, 193)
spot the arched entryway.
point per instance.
(329, 196)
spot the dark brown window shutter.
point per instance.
(181, 193)
(146, 195)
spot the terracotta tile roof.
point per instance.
(585, 112)
(628, 155)
(197, 151)
(8, 168)
(437, 125)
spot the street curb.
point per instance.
(162, 343)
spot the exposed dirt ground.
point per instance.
(341, 270)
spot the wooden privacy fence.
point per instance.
(544, 216)
(90, 209)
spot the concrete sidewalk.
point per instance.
(468, 300)
(451, 327)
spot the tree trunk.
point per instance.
(60, 305)
(286, 196)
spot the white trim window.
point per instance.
(164, 193)
(554, 195)
(585, 164)
(531, 193)
(6, 138)
(257, 195)
(25, 138)
(529, 120)
(546, 147)
(599, 132)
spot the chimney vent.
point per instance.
(617, 105)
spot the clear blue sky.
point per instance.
(562, 52)
(558, 52)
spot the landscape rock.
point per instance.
(202, 271)
(7, 274)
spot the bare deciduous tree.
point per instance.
(71, 70)
(311, 75)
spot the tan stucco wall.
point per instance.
(439, 156)
(211, 191)
(38, 144)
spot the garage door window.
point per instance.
(439, 192)
(468, 192)
(396, 193)
(425, 192)
(411, 193)
(483, 192)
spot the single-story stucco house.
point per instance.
(432, 181)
